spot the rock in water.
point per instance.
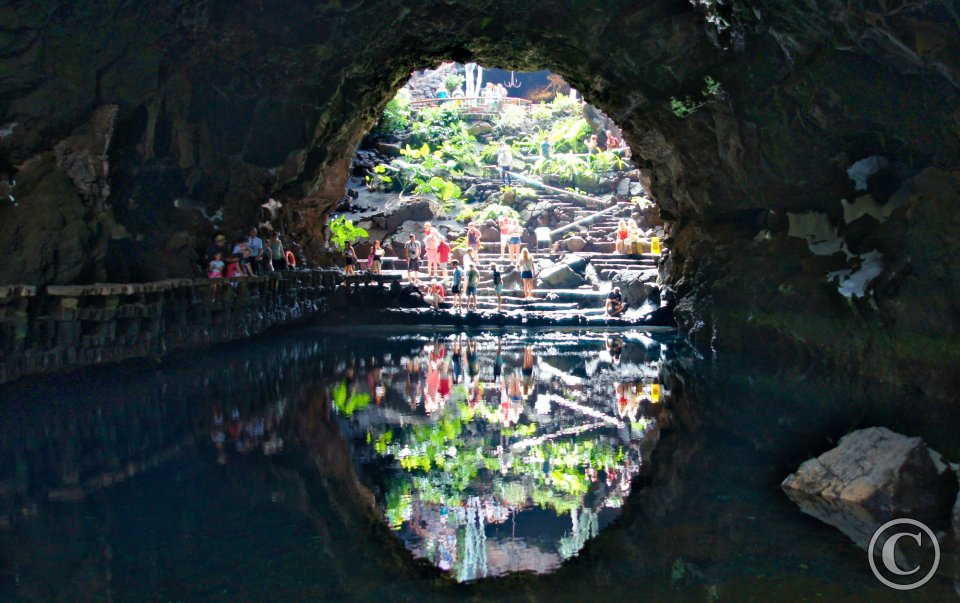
(560, 276)
(872, 476)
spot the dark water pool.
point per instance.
(390, 464)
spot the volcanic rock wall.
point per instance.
(129, 130)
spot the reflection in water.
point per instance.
(504, 453)
(113, 485)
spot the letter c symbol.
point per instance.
(888, 551)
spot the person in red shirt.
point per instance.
(443, 256)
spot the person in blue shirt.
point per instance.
(457, 286)
(255, 245)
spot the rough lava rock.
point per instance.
(418, 210)
(561, 276)
(872, 476)
(637, 286)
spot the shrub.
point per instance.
(395, 117)
(343, 232)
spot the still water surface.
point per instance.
(389, 465)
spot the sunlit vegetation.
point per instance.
(438, 153)
(343, 232)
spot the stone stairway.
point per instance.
(587, 299)
(603, 260)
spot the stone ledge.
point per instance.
(7, 291)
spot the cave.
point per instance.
(804, 163)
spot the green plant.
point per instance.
(349, 402)
(525, 193)
(541, 112)
(683, 108)
(433, 125)
(493, 211)
(453, 81)
(564, 104)
(511, 117)
(395, 117)
(488, 155)
(444, 190)
(468, 214)
(569, 134)
(343, 232)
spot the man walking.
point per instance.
(504, 163)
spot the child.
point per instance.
(497, 286)
(473, 279)
(434, 295)
(216, 266)
(247, 263)
(457, 285)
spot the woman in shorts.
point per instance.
(516, 234)
(526, 273)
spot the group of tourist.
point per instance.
(628, 236)
(431, 375)
(248, 256)
(491, 96)
(603, 141)
(433, 255)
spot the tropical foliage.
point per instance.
(344, 232)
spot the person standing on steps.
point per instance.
(376, 257)
(527, 273)
(349, 260)
(505, 163)
(473, 279)
(497, 285)
(473, 239)
(431, 240)
(443, 256)
(457, 286)
(516, 239)
(412, 250)
(504, 222)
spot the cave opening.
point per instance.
(803, 159)
(494, 164)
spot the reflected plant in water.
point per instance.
(350, 402)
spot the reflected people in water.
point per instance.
(495, 430)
